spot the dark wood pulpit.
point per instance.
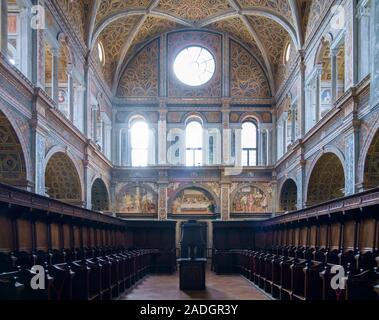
(192, 274)
(192, 265)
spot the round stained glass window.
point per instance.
(194, 66)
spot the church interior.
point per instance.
(189, 149)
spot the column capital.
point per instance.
(318, 71)
(364, 9)
(162, 104)
(334, 51)
(55, 52)
(226, 103)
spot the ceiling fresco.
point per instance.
(262, 26)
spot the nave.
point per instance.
(219, 287)
(88, 256)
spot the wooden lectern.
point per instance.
(192, 265)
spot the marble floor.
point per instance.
(219, 287)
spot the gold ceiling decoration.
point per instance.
(280, 6)
(194, 10)
(273, 36)
(113, 39)
(151, 28)
(109, 7)
(237, 29)
(125, 26)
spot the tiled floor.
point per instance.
(219, 287)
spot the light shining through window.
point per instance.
(194, 144)
(100, 49)
(287, 53)
(249, 144)
(139, 136)
(194, 66)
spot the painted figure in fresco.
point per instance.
(191, 201)
(250, 203)
(136, 201)
(250, 200)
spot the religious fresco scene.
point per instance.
(192, 201)
(137, 200)
(250, 200)
(189, 139)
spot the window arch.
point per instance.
(287, 53)
(194, 143)
(249, 144)
(139, 142)
(101, 53)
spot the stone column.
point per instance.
(4, 27)
(318, 94)
(293, 123)
(26, 43)
(274, 188)
(71, 93)
(363, 37)
(269, 146)
(226, 133)
(284, 141)
(349, 163)
(238, 144)
(333, 54)
(302, 96)
(260, 147)
(163, 69)
(94, 109)
(352, 156)
(374, 87)
(162, 136)
(87, 202)
(225, 201)
(107, 140)
(102, 133)
(162, 201)
(299, 182)
(302, 180)
(113, 199)
(38, 151)
(86, 102)
(226, 67)
(55, 84)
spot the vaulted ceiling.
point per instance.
(263, 26)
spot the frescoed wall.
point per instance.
(250, 199)
(193, 201)
(137, 200)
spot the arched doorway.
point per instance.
(371, 173)
(12, 161)
(99, 196)
(62, 179)
(327, 180)
(288, 196)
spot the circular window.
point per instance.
(194, 66)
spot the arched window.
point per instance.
(139, 139)
(194, 144)
(287, 54)
(101, 53)
(249, 142)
